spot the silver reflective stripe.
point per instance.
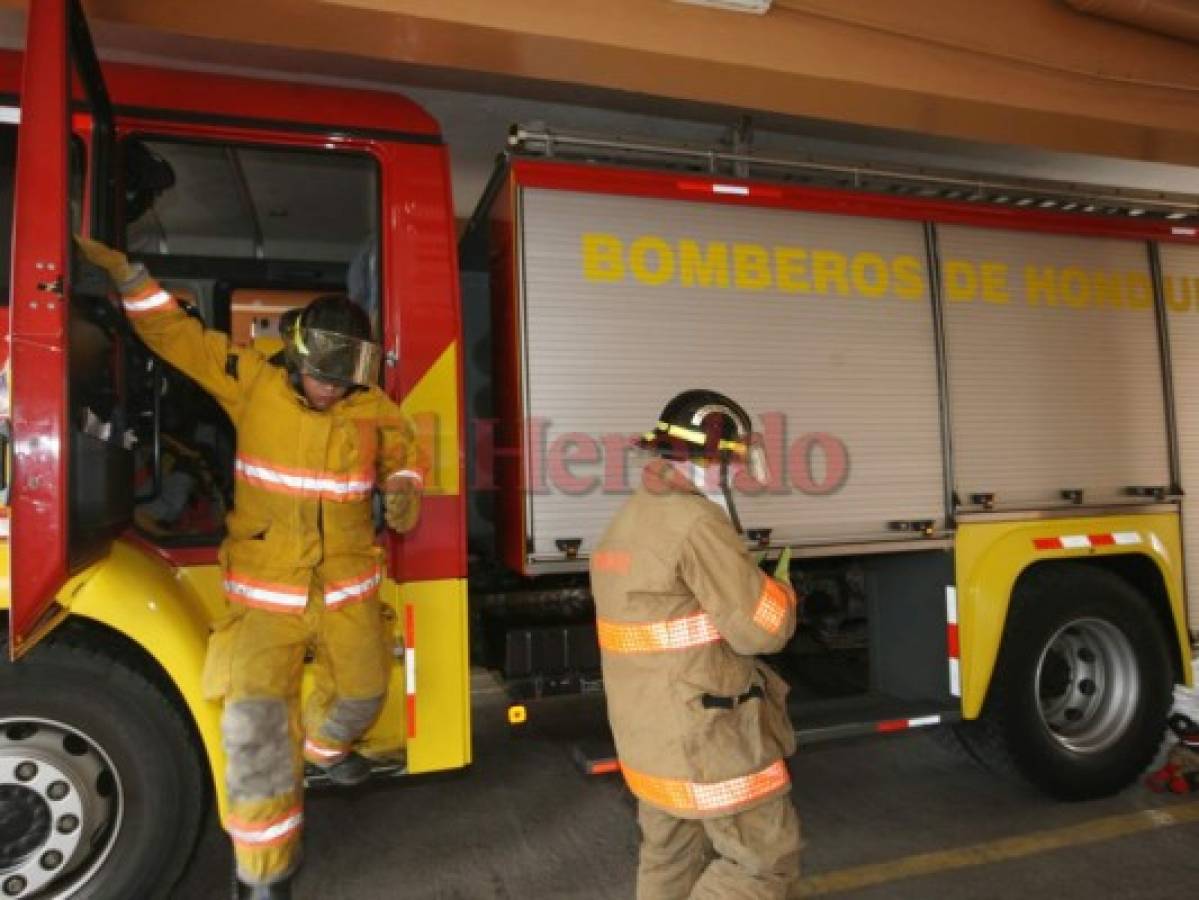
(296, 599)
(154, 301)
(305, 483)
(340, 592)
(265, 835)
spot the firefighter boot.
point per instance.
(279, 890)
(350, 770)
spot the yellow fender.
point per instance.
(158, 608)
(990, 556)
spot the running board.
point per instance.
(380, 771)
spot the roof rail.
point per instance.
(1075, 197)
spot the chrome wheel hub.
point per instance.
(1087, 685)
(59, 808)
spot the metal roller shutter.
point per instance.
(1054, 366)
(1180, 275)
(846, 352)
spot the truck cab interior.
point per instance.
(240, 234)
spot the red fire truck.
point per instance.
(979, 415)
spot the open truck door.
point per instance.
(71, 480)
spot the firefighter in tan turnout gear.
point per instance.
(301, 570)
(701, 725)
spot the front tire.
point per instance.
(1082, 686)
(101, 789)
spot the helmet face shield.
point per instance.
(335, 357)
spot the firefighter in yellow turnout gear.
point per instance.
(701, 725)
(300, 566)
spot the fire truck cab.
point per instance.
(246, 199)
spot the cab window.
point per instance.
(243, 233)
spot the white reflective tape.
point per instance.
(322, 752)
(739, 189)
(4, 527)
(1075, 541)
(10, 115)
(284, 599)
(305, 483)
(155, 300)
(268, 834)
(955, 678)
(408, 473)
(410, 671)
(951, 605)
(1187, 232)
(924, 720)
(350, 591)
(1125, 538)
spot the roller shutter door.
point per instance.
(1054, 366)
(818, 321)
(1180, 276)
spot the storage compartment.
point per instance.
(820, 325)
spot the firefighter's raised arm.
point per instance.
(752, 611)
(204, 355)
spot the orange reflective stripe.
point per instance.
(694, 796)
(615, 561)
(773, 605)
(339, 593)
(650, 637)
(272, 833)
(265, 595)
(155, 301)
(323, 752)
(336, 487)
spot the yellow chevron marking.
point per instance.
(432, 406)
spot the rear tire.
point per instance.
(1082, 686)
(98, 774)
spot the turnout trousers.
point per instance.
(256, 662)
(750, 855)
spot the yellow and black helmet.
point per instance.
(704, 425)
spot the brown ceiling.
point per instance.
(1034, 73)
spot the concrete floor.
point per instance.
(895, 817)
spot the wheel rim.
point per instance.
(1087, 685)
(60, 808)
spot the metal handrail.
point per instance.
(1039, 193)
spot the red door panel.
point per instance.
(38, 330)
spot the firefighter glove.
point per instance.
(401, 502)
(114, 262)
(782, 568)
